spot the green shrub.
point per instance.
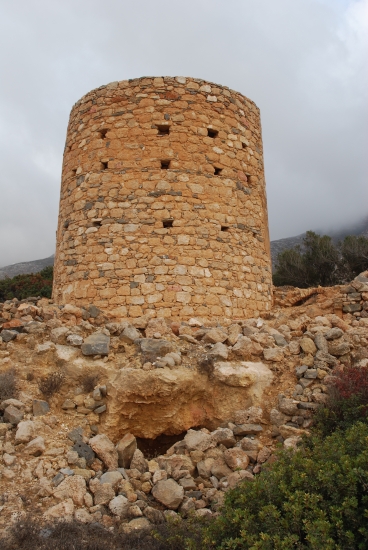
(347, 402)
(315, 498)
(320, 262)
(24, 286)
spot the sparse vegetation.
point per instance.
(89, 382)
(347, 403)
(28, 534)
(206, 366)
(320, 262)
(8, 384)
(51, 384)
(24, 286)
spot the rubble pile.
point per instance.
(88, 389)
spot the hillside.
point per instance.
(26, 267)
(123, 426)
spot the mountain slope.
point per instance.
(25, 267)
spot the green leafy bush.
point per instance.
(347, 402)
(312, 499)
(24, 286)
(320, 262)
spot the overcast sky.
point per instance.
(303, 62)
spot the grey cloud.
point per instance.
(301, 62)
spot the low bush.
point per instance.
(24, 286)
(347, 402)
(89, 382)
(8, 384)
(313, 498)
(31, 534)
(51, 384)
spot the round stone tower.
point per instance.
(163, 205)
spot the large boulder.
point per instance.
(36, 446)
(236, 458)
(198, 441)
(149, 403)
(246, 348)
(244, 374)
(26, 430)
(105, 450)
(169, 493)
(96, 344)
(114, 478)
(119, 506)
(125, 449)
(73, 487)
(158, 348)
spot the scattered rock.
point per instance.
(36, 446)
(169, 493)
(96, 344)
(40, 408)
(119, 506)
(105, 450)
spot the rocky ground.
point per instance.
(127, 423)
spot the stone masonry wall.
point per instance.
(163, 206)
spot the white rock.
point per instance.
(64, 511)
(36, 447)
(25, 431)
(119, 506)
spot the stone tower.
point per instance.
(163, 205)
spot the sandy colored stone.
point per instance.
(216, 167)
(105, 450)
(236, 458)
(149, 403)
(308, 346)
(246, 348)
(64, 510)
(36, 446)
(119, 506)
(125, 449)
(26, 430)
(73, 487)
(169, 493)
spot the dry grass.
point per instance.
(8, 384)
(51, 384)
(89, 382)
(30, 534)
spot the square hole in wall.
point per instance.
(217, 171)
(74, 172)
(244, 145)
(103, 133)
(165, 164)
(167, 223)
(163, 129)
(212, 133)
(104, 165)
(224, 228)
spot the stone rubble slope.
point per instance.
(233, 391)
